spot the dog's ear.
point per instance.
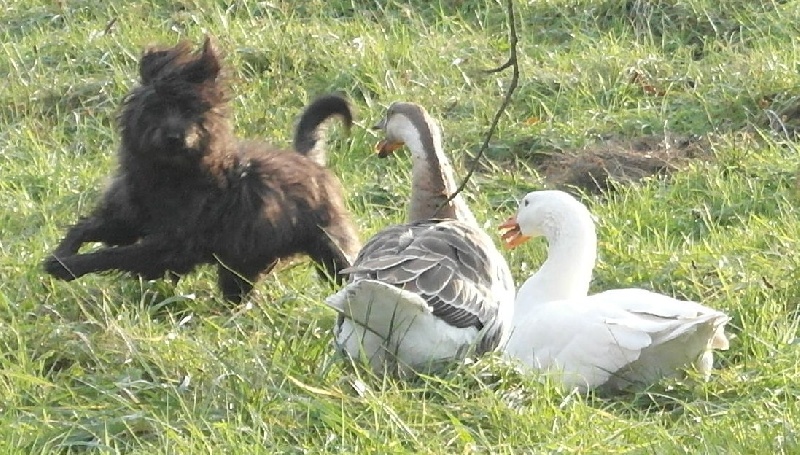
(207, 66)
(156, 61)
(151, 63)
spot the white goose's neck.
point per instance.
(433, 181)
(571, 256)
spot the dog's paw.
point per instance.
(55, 267)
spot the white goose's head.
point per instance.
(545, 213)
(408, 123)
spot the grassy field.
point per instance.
(113, 364)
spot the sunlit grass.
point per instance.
(110, 363)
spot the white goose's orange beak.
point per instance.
(385, 148)
(512, 237)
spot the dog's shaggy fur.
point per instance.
(187, 192)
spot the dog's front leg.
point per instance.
(97, 229)
(77, 235)
(90, 229)
(150, 258)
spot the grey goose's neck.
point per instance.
(432, 175)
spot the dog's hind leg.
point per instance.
(235, 284)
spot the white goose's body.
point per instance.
(432, 290)
(616, 339)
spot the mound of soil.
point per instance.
(621, 161)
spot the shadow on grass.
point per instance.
(673, 23)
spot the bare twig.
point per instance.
(514, 65)
(109, 25)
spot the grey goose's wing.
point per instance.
(443, 261)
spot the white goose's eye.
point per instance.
(525, 202)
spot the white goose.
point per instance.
(617, 339)
(432, 290)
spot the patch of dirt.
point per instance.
(595, 167)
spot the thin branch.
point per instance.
(513, 63)
(109, 25)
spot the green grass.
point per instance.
(112, 364)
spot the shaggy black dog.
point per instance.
(188, 192)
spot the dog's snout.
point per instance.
(173, 137)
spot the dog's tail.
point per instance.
(309, 137)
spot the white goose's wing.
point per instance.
(621, 337)
(581, 345)
(684, 334)
(447, 263)
(675, 317)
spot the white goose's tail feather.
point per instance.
(677, 343)
(720, 340)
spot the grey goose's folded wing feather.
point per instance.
(443, 261)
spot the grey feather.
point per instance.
(441, 260)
